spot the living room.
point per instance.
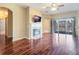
(29, 29)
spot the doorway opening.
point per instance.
(6, 29)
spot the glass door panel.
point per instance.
(63, 35)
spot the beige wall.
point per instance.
(27, 23)
(46, 25)
(20, 20)
(9, 24)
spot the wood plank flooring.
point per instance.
(43, 46)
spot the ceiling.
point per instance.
(40, 6)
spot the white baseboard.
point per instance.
(15, 39)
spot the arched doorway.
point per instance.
(6, 29)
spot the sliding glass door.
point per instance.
(63, 35)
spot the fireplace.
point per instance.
(36, 30)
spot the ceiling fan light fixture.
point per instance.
(54, 6)
(57, 4)
(54, 9)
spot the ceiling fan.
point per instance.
(54, 6)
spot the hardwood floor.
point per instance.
(32, 47)
(43, 46)
(5, 44)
